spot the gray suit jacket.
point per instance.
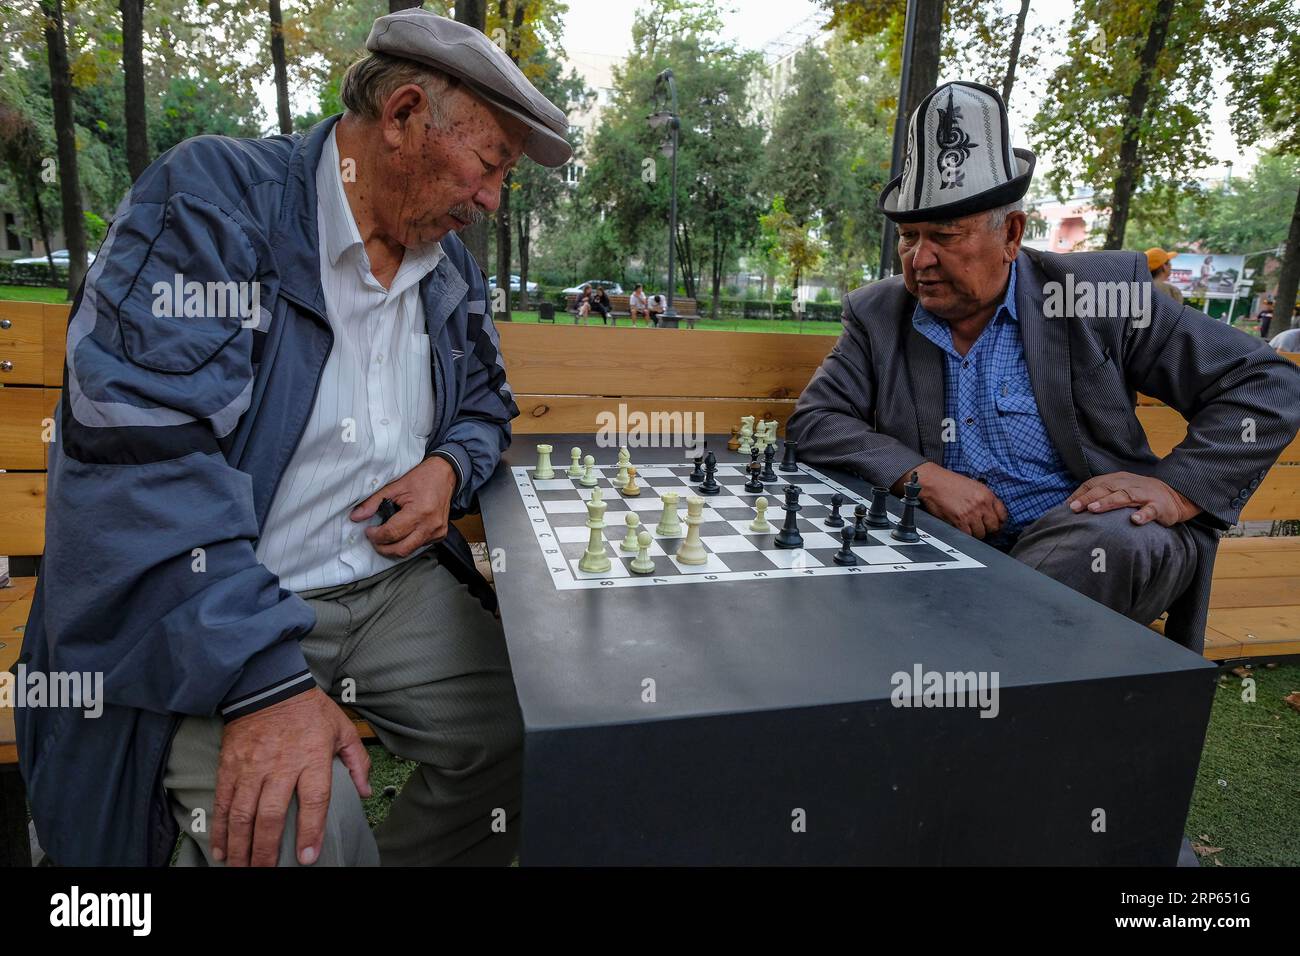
(876, 405)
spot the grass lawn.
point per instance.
(33, 293)
(1247, 796)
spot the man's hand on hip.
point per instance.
(424, 494)
(1150, 496)
(962, 502)
(265, 758)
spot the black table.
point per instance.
(772, 738)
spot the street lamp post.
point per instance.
(660, 118)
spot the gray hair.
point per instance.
(998, 217)
(370, 81)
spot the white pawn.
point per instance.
(575, 469)
(588, 479)
(760, 523)
(643, 563)
(624, 459)
(630, 542)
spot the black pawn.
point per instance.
(845, 554)
(769, 455)
(789, 536)
(698, 473)
(754, 486)
(788, 460)
(710, 485)
(387, 508)
(834, 520)
(753, 456)
(878, 517)
(860, 524)
(906, 528)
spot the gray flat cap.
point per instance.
(463, 52)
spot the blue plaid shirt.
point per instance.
(997, 435)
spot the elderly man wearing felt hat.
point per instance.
(215, 542)
(1006, 378)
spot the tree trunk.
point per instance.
(137, 131)
(524, 228)
(1014, 59)
(1129, 162)
(43, 228)
(475, 237)
(74, 220)
(396, 5)
(503, 252)
(1289, 276)
(280, 67)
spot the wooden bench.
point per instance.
(1255, 604)
(620, 307)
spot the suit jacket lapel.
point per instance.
(925, 369)
(1047, 353)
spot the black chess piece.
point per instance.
(789, 536)
(834, 520)
(698, 473)
(753, 456)
(387, 508)
(789, 461)
(878, 517)
(906, 528)
(754, 486)
(769, 455)
(710, 485)
(845, 554)
(860, 524)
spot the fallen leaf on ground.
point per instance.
(1293, 700)
(1200, 849)
(1241, 671)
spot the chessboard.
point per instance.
(557, 511)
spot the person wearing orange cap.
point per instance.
(1158, 262)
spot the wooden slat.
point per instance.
(23, 412)
(22, 343)
(1165, 428)
(13, 617)
(1246, 563)
(56, 335)
(22, 513)
(1255, 591)
(564, 360)
(471, 526)
(559, 414)
(1261, 631)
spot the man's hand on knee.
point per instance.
(265, 758)
(1152, 498)
(962, 502)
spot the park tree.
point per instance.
(135, 114)
(720, 142)
(74, 225)
(26, 140)
(280, 67)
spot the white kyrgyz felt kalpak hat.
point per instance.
(958, 159)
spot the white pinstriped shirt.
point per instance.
(373, 410)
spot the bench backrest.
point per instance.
(566, 379)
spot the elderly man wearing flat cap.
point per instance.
(216, 545)
(1006, 379)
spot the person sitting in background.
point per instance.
(658, 306)
(638, 304)
(1158, 263)
(583, 305)
(1265, 318)
(600, 303)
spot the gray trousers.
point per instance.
(412, 652)
(1137, 570)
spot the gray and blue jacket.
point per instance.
(172, 435)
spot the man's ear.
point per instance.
(404, 105)
(1015, 233)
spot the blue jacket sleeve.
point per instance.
(480, 432)
(149, 562)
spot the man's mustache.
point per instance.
(469, 213)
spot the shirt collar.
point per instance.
(340, 233)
